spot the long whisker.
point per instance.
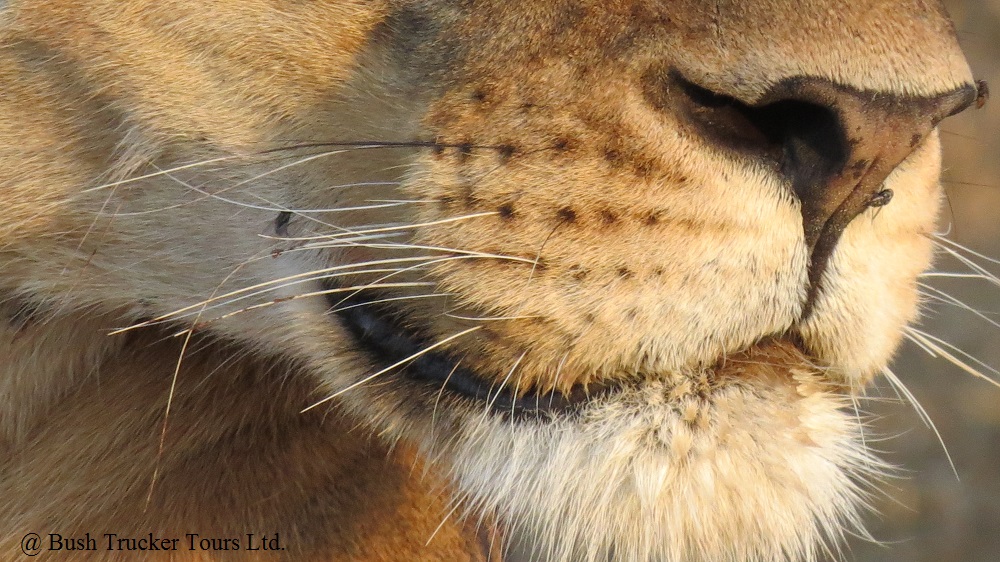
(447, 516)
(270, 206)
(534, 268)
(937, 346)
(160, 172)
(395, 365)
(460, 252)
(437, 399)
(901, 388)
(333, 291)
(967, 262)
(352, 232)
(274, 284)
(400, 271)
(273, 207)
(392, 299)
(377, 144)
(267, 208)
(953, 275)
(173, 386)
(946, 298)
(355, 289)
(949, 242)
(348, 146)
(488, 318)
(253, 157)
(280, 282)
(861, 427)
(503, 384)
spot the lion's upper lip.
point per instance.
(378, 329)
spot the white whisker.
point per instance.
(270, 207)
(160, 172)
(396, 227)
(940, 239)
(299, 162)
(313, 275)
(392, 299)
(978, 269)
(395, 365)
(901, 388)
(447, 516)
(861, 427)
(952, 275)
(945, 298)
(491, 402)
(945, 349)
(469, 253)
(437, 398)
(354, 289)
(487, 318)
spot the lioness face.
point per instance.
(619, 267)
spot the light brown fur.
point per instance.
(579, 233)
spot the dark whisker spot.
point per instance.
(506, 211)
(465, 151)
(567, 214)
(506, 151)
(564, 144)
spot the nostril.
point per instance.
(813, 142)
(804, 139)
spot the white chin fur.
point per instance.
(755, 469)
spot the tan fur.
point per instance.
(578, 232)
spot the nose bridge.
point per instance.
(877, 131)
(904, 46)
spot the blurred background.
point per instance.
(929, 513)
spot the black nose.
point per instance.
(840, 144)
(836, 145)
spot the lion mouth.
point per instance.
(380, 331)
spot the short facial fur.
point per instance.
(531, 189)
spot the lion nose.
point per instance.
(835, 144)
(838, 145)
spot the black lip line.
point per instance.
(379, 330)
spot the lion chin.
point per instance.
(758, 457)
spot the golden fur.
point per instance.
(515, 174)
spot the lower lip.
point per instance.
(378, 330)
